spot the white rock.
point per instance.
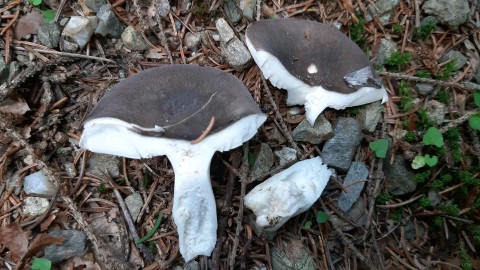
(33, 206)
(288, 193)
(79, 29)
(38, 183)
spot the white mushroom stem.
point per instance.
(194, 210)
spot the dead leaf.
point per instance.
(28, 24)
(14, 239)
(14, 105)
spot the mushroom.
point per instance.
(318, 65)
(164, 111)
(287, 193)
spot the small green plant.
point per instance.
(424, 119)
(410, 137)
(442, 181)
(383, 198)
(48, 15)
(397, 29)
(474, 121)
(468, 178)
(380, 147)
(433, 136)
(443, 96)
(41, 264)
(422, 177)
(357, 33)
(396, 216)
(320, 217)
(406, 99)
(424, 74)
(451, 209)
(35, 2)
(102, 188)
(446, 71)
(397, 61)
(424, 31)
(425, 202)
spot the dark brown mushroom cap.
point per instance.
(179, 98)
(299, 43)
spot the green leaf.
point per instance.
(41, 264)
(430, 160)
(380, 147)
(308, 225)
(322, 217)
(48, 15)
(433, 137)
(474, 121)
(36, 2)
(476, 98)
(418, 162)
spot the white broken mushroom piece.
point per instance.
(287, 193)
(163, 111)
(317, 64)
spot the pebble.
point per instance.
(73, 245)
(34, 206)
(263, 161)
(133, 40)
(424, 89)
(292, 255)
(321, 131)
(399, 180)
(234, 51)
(192, 41)
(49, 34)
(382, 8)
(286, 155)
(369, 116)
(80, 29)
(232, 11)
(134, 204)
(248, 8)
(458, 57)
(104, 164)
(385, 50)
(338, 151)
(38, 183)
(436, 111)
(108, 24)
(452, 13)
(354, 183)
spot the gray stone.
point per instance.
(292, 254)
(4, 70)
(339, 150)
(38, 183)
(434, 197)
(49, 34)
(276, 135)
(191, 265)
(357, 213)
(354, 183)
(385, 50)
(436, 111)
(70, 169)
(399, 180)
(104, 164)
(70, 46)
(411, 231)
(95, 5)
(370, 116)
(458, 57)
(14, 69)
(108, 24)
(383, 9)
(163, 8)
(248, 8)
(264, 160)
(235, 52)
(134, 204)
(232, 11)
(321, 131)
(133, 40)
(424, 89)
(452, 13)
(34, 206)
(191, 41)
(286, 155)
(73, 245)
(80, 29)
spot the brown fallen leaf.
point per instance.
(28, 24)
(14, 239)
(14, 105)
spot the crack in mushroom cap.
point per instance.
(316, 54)
(175, 101)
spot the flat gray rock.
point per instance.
(102, 164)
(232, 48)
(74, 245)
(321, 131)
(452, 13)
(49, 34)
(38, 183)
(133, 40)
(385, 50)
(354, 183)
(292, 255)
(370, 116)
(286, 155)
(458, 57)
(263, 161)
(108, 23)
(339, 150)
(399, 180)
(134, 204)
